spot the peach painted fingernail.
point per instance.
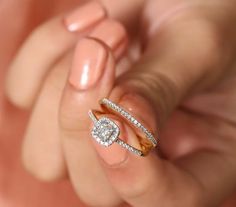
(85, 16)
(112, 33)
(88, 64)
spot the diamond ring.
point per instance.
(106, 132)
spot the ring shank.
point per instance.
(95, 114)
(146, 139)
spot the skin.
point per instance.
(199, 166)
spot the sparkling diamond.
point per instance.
(105, 131)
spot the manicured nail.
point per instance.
(112, 33)
(85, 16)
(88, 64)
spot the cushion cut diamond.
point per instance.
(105, 131)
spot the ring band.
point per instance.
(106, 132)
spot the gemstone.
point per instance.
(105, 131)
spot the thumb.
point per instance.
(165, 74)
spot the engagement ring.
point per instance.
(106, 132)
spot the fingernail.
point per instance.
(113, 34)
(85, 16)
(88, 64)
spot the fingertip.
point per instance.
(113, 34)
(17, 96)
(87, 15)
(39, 168)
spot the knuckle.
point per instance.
(71, 123)
(55, 80)
(206, 41)
(208, 48)
(118, 27)
(155, 82)
(69, 126)
(36, 167)
(17, 99)
(208, 44)
(195, 37)
(43, 38)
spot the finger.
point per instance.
(91, 77)
(44, 47)
(113, 34)
(155, 86)
(42, 148)
(126, 12)
(51, 40)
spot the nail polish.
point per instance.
(88, 64)
(85, 16)
(111, 32)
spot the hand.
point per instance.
(197, 136)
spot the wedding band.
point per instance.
(106, 132)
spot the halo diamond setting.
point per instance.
(105, 131)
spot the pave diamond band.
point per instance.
(129, 118)
(106, 132)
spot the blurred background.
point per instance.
(17, 187)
